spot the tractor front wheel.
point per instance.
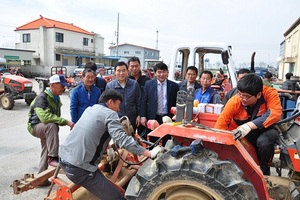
(7, 102)
(190, 177)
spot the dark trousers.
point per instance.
(94, 182)
(263, 141)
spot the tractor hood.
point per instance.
(19, 79)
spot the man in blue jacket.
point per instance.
(206, 94)
(84, 95)
(99, 81)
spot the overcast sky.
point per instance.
(247, 25)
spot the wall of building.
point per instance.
(16, 57)
(291, 60)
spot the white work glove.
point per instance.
(243, 130)
(155, 151)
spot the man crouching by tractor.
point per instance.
(254, 109)
(83, 148)
(45, 119)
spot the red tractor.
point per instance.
(200, 162)
(13, 87)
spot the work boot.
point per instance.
(53, 161)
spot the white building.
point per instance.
(126, 51)
(59, 44)
(290, 51)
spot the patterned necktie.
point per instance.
(160, 99)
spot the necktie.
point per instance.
(160, 99)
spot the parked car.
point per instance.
(78, 71)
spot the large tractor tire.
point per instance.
(7, 102)
(190, 177)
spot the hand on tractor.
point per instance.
(152, 124)
(243, 130)
(155, 151)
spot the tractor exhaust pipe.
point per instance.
(252, 70)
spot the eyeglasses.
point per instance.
(243, 96)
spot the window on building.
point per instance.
(26, 37)
(146, 52)
(57, 57)
(86, 41)
(126, 52)
(137, 52)
(92, 40)
(27, 62)
(59, 37)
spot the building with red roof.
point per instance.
(59, 43)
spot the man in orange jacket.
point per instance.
(254, 109)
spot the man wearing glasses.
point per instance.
(254, 109)
(190, 82)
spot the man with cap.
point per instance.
(45, 119)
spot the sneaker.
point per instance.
(44, 184)
(53, 161)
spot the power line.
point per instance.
(8, 26)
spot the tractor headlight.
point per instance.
(28, 84)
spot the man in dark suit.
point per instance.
(159, 95)
(190, 79)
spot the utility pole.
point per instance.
(157, 40)
(117, 34)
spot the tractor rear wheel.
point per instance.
(7, 102)
(189, 177)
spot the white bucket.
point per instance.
(201, 107)
(218, 108)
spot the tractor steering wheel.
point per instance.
(294, 115)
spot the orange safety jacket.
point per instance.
(266, 111)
